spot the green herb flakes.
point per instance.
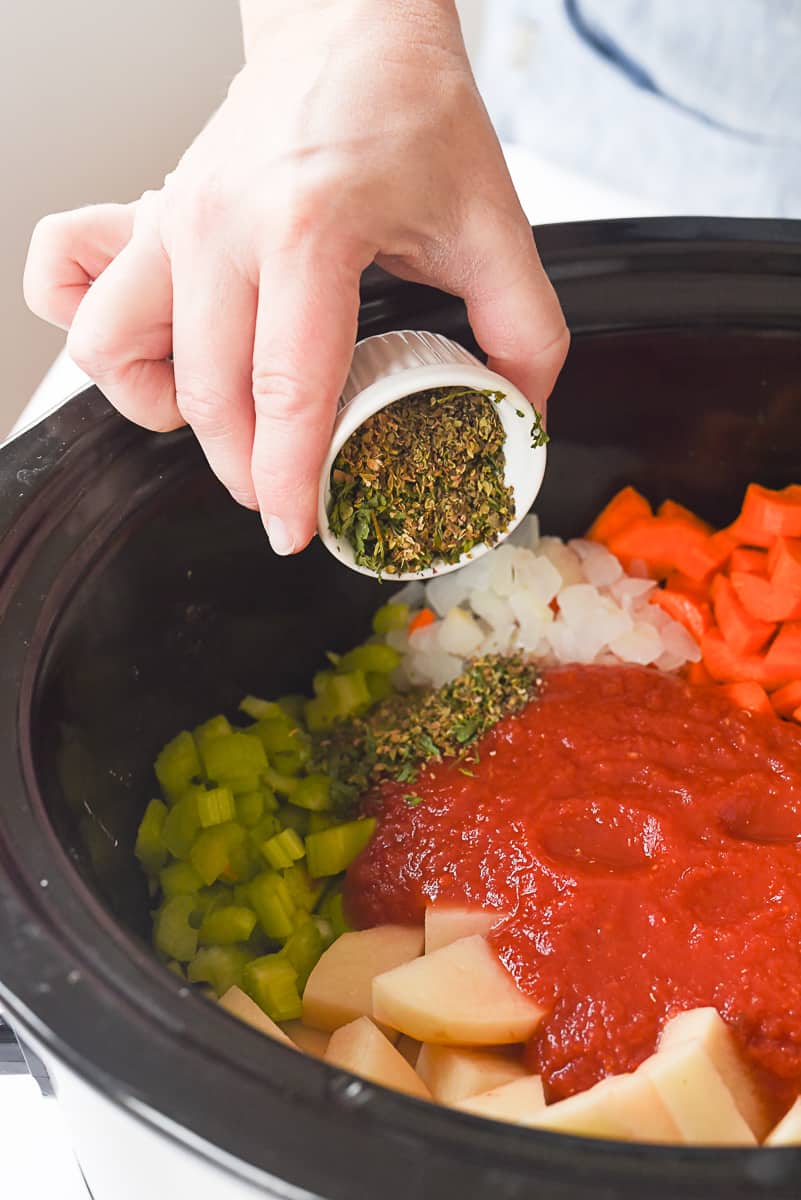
(422, 481)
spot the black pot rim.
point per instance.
(95, 999)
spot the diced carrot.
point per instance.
(420, 619)
(677, 582)
(622, 510)
(767, 514)
(708, 555)
(763, 600)
(669, 508)
(695, 615)
(787, 699)
(797, 716)
(745, 633)
(698, 674)
(664, 543)
(784, 564)
(726, 666)
(749, 695)
(784, 655)
(743, 558)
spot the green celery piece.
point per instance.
(348, 693)
(182, 824)
(313, 792)
(228, 925)
(220, 966)
(292, 705)
(283, 784)
(321, 820)
(180, 879)
(304, 890)
(269, 824)
(239, 895)
(303, 949)
(259, 709)
(216, 806)
(320, 714)
(250, 808)
(280, 735)
(294, 818)
(173, 935)
(273, 904)
(150, 848)
(333, 850)
(207, 899)
(283, 849)
(244, 861)
(176, 968)
(325, 930)
(215, 727)
(177, 764)
(272, 982)
(372, 656)
(332, 911)
(321, 682)
(379, 686)
(235, 760)
(389, 617)
(211, 850)
(289, 762)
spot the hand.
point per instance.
(354, 133)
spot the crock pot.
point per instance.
(136, 598)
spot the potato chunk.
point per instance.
(453, 1073)
(788, 1131)
(516, 1101)
(446, 923)
(361, 1047)
(696, 1097)
(340, 986)
(240, 1005)
(706, 1026)
(459, 996)
(625, 1107)
(312, 1041)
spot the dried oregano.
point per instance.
(422, 481)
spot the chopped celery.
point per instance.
(216, 806)
(372, 656)
(292, 705)
(389, 617)
(150, 848)
(221, 966)
(259, 709)
(313, 792)
(207, 899)
(325, 930)
(319, 714)
(333, 850)
(275, 908)
(180, 879)
(211, 849)
(378, 685)
(320, 820)
(236, 760)
(244, 861)
(250, 808)
(283, 849)
(269, 824)
(239, 894)
(176, 969)
(173, 935)
(332, 911)
(321, 682)
(304, 890)
(283, 784)
(294, 818)
(279, 735)
(289, 762)
(227, 925)
(303, 948)
(182, 824)
(177, 765)
(272, 982)
(348, 692)
(215, 727)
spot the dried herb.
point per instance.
(395, 738)
(422, 481)
(538, 435)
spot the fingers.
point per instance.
(305, 330)
(122, 333)
(214, 316)
(68, 251)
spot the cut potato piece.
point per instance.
(446, 923)
(625, 1107)
(312, 1041)
(340, 986)
(240, 1005)
(706, 1026)
(696, 1097)
(788, 1131)
(459, 996)
(453, 1073)
(517, 1101)
(361, 1047)
(410, 1049)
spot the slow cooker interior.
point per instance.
(184, 608)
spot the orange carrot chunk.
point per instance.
(669, 508)
(767, 514)
(762, 599)
(698, 674)
(784, 655)
(419, 621)
(665, 544)
(749, 695)
(623, 509)
(677, 582)
(753, 562)
(797, 716)
(784, 564)
(787, 699)
(708, 555)
(694, 614)
(726, 666)
(745, 633)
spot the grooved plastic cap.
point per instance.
(390, 366)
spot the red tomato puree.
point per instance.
(643, 838)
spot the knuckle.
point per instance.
(278, 394)
(88, 350)
(200, 208)
(205, 409)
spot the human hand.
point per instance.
(354, 134)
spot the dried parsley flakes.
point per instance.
(422, 480)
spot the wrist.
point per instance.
(261, 19)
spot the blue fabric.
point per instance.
(692, 104)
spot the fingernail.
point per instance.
(281, 539)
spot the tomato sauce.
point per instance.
(642, 838)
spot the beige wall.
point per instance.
(97, 100)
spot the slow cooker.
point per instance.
(136, 598)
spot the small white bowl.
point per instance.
(390, 366)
